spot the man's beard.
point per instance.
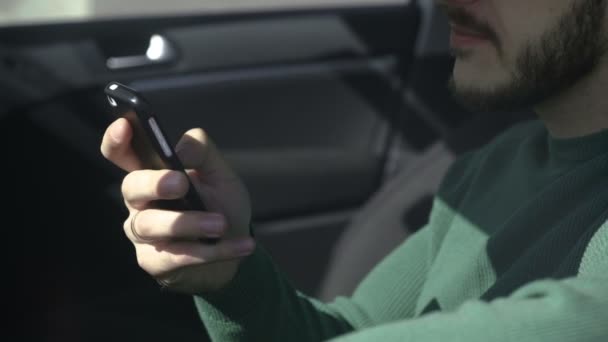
(561, 57)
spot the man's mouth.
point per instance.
(465, 37)
(468, 30)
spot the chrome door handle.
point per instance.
(160, 51)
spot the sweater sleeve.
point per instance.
(557, 311)
(574, 309)
(261, 305)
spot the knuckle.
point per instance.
(142, 262)
(126, 226)
(125, 186)
(133, 228)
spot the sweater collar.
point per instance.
(580, 148)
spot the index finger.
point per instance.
(116, 146)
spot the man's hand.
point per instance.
(167, 242)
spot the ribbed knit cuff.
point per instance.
(243, 294)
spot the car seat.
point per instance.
(403, 203)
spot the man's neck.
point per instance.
(581, 110)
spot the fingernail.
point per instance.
(182, 148)
(214, 225)
(172, 185)
(116, 132)
(244, 247)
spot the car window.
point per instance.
(19, 12)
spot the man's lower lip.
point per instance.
(458, 39)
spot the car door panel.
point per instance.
(299, 101)
(287, 91)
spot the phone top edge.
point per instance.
(114, 86)
(125, 94)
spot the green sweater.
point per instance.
(516, 249)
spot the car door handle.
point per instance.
(160, 51)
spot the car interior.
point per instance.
(338, 118)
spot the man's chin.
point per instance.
(486, 99)
(461, 54)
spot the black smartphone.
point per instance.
(149, 141)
